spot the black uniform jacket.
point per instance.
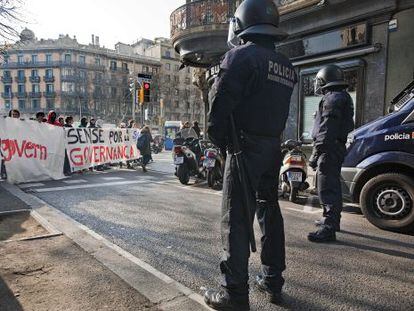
(254, 83)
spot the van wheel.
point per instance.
(387, 201)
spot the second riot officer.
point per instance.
(253, 87)
(333, 122)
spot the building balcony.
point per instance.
(35, 94)
(68, 78)
(199, 30)
(53, 64)
(34, 79)
(21, 94)
(7, 95)
(6, 79)
(49, 79)
(20, 79)
(49, 94)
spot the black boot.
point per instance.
(324, 234)
(321, 222)
(221, 300)
(274, 296)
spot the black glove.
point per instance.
(313, 160)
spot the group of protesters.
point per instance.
(143, 143)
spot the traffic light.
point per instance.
(147, 91)
(141, 95)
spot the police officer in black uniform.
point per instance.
(333, 122)
(254, 85)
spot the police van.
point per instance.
(378, 171)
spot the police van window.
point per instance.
(310, 102)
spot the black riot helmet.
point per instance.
(255, 17)
(329, 76)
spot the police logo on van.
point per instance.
(399, 136)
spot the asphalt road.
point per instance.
(176, 229)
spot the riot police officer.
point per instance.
(253, 87)
(333, 122)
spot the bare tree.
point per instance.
(10, 17)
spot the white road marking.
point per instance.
(107, 184)
(302, 210)
(30, 185)
(75, 181)
(112, 178)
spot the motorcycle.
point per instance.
(187, 154)
(213, 164)
(294, 170)
(156, 148)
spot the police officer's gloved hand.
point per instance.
(313, 160)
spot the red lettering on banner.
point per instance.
(76, 159)
(25, 149)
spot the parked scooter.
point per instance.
(294, 170)
(213, 164)
(187, 155)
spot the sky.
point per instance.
(112, 20)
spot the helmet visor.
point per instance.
(318, 84)
(233, 40)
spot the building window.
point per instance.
(154, 70)
(22, 104)
(8, 104)
(176, 67)
(113, 92)
(168, 54)
(20, 74)
(35, 73)
(7, 89)
(187, 80)
(176, 79)
(35, 104)
(50, 104)
(67, 71)
(48, 58)
(67, 87)
(6, 59)
(49, 73)
(82, 59)
(68, 58)
(82, 74)
(124, 66)
(20, 59)
(176, 92)
(176, 104)
(6, 74)
(145, 69)
(34, 59)
(167, 78)
(35, 88)
(112, 65)
(168, 66)
(21, 88)
(97, 61)
(50, 88)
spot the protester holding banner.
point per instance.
(83, 122)
(14, 113)
(52, 118)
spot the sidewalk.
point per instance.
(43, 271)
(54, 273)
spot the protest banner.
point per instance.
(31, 151)
(89, 147)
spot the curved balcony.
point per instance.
(199, 30)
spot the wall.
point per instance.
(400, 54)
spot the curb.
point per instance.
(158, 288)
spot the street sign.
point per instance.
(142, 77)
